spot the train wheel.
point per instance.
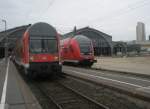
(90, 64)
(26, 71)
(34, 75)
(30, 74)
(59, 71)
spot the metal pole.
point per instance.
(6, 41)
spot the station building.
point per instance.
(120, 48)
(12, 35)
(145, 45)
(102, 42)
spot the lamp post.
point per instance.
(6, 40)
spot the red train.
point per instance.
(78, 50)
(38, 50)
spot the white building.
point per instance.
(140, 32)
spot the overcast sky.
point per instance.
(114, 17)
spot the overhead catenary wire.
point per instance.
(49, 5)
(121, 12)
(41, 12)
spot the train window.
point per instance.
(85, 49)
(50, 46)
(43, 46)
(35, 46)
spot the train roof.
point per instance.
(42, 29)
(82, 38)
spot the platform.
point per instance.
(135, 86)
(134, 65)
(14, 92)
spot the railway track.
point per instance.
(64, 97)
(133, 86)
(73, 93)
(112, 71)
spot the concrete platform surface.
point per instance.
(18, 94)
(137, 65)
(136, 86)
(2, 75)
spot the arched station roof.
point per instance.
(93, 34)
(12, 34)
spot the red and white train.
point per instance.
(38, 50)
(77, 50)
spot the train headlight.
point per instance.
(31, 58)
(56, 57)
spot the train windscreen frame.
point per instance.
(84, 44)
(85, 47)
(43, 45)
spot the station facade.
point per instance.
(12, 36)
(102, 43)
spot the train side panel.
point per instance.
(25, 50)
(78, 51)
(70, 50)
(38, 51)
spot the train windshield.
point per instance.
(85, 48)
(43, 46)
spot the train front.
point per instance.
(44, 52)
(86, 50)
